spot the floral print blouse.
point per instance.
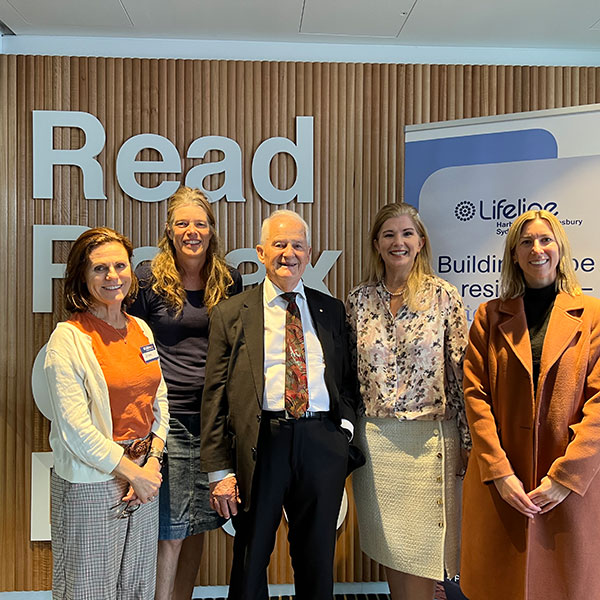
(410, 366)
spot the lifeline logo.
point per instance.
(464, 210)
(500, 209)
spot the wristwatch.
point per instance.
(157, 454)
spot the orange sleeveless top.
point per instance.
(132, 383)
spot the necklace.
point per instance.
(119, 330)
(398, 293)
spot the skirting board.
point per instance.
(220, 591)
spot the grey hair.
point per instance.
(280, 213)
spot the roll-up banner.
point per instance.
(470, 179)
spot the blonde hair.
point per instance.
(422, 265)
(512, 282)
(166, 279)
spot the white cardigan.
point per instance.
(81, 435)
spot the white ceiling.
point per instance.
(550, 24)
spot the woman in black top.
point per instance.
(531, 495)
(186, 279)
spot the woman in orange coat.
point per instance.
(531, 497)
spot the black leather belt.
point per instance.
(309, 414)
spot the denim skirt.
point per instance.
(184, 495)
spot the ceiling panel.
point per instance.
(510, 23)
(548, 24)
(65, 17)
(11, 17)
(374, 18)
(256, 19)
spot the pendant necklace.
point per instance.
(119, 332)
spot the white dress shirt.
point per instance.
(275, 309)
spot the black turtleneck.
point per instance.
(538, 307)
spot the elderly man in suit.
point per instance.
(278, 412)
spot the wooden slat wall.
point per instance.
(360, 111)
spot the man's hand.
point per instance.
(224, 497)
(512, 491)
(548, 494)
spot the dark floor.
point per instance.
(439, 595)
(346, 597)
(338, 597)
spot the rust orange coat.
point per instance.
(555, 556)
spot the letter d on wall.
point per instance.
(302, 152)
(45, 156)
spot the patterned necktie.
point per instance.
(296, 386)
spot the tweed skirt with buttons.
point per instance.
(408, 495)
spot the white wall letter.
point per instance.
(231, 165)
(45, 156)
(236, 257)
(143, 253)
(128, 166)
(301, 152)
(44, 270)
(313, 276)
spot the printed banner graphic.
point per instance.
(470, 182)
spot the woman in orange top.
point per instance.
(109, 423)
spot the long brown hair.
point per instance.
(76, 294)
(166, 279)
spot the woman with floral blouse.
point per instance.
(410, 334)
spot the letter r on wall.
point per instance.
(45, 156)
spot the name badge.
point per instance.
(149, 353)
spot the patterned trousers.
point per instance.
(101, 551)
